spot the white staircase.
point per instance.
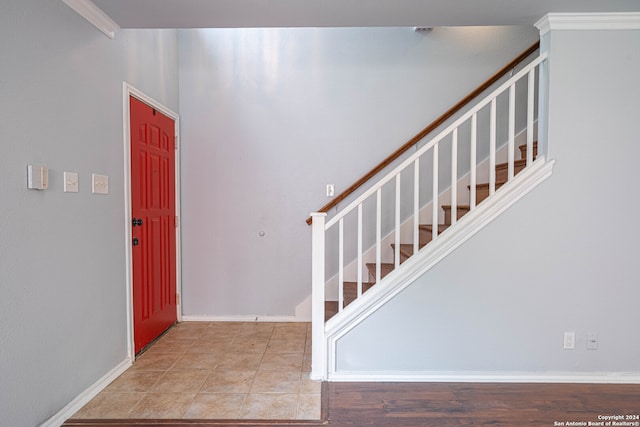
(412, 198)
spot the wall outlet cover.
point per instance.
(70, 182)
(99, 184)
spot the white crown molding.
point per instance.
(95, 16)
(589, 21)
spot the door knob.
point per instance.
(136, 242)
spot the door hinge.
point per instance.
(177, 298)
(177, 221)
(175, 142)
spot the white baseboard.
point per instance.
(242, 318)
(490, 377)
(83, 398)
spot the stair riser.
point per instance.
(502, 173)
(523, 151)
(483, 192)
(447, 214)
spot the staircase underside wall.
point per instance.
(562, 259)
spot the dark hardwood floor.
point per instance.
(450, 405)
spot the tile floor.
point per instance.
(217, 370)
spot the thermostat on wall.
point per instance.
(37, 177)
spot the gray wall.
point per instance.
(272, 116)
(62, 265)
(563, 259)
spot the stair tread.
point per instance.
(460, 207)
(486, 184)
(429, 227)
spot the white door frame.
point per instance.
(129, 91)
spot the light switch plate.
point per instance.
(70, 182)
(99, 184)
(37, 177)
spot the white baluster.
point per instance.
(512, 130)
(474, 136)
(359, 250)
(318, 355)
(530, 108)
(378, 233)
(454, 176)
(416, 205)
(397, 231)
(492, 148)
(341, 264)
(434, 204)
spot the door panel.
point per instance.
(153, 202)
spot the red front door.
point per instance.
(153, 222)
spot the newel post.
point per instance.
(318, 344)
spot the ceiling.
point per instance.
(343, 13)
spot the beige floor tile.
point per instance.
(195, 371)
(110, 405)
(290, 330)
(179, 381)
(234, 327)
(162, 405)
(287, 345)
(171, 346)
(133, 380)
(206, 361)
(257, 329)
(270, 406)
(205, 346)
(240, 361)
(187, 330)
(248, 344)
(282, 362)
(309, 407)
(276, 382)
(306, 363)
(225, 381)
(155, 361)
(215, 334)
(215, 406)
(309, 386)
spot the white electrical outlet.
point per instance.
(569, 340)
(592, 340)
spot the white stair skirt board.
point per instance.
(83, 398)
(490, 377)
(418, 264)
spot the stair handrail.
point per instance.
(427, 130)
(435, 140)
